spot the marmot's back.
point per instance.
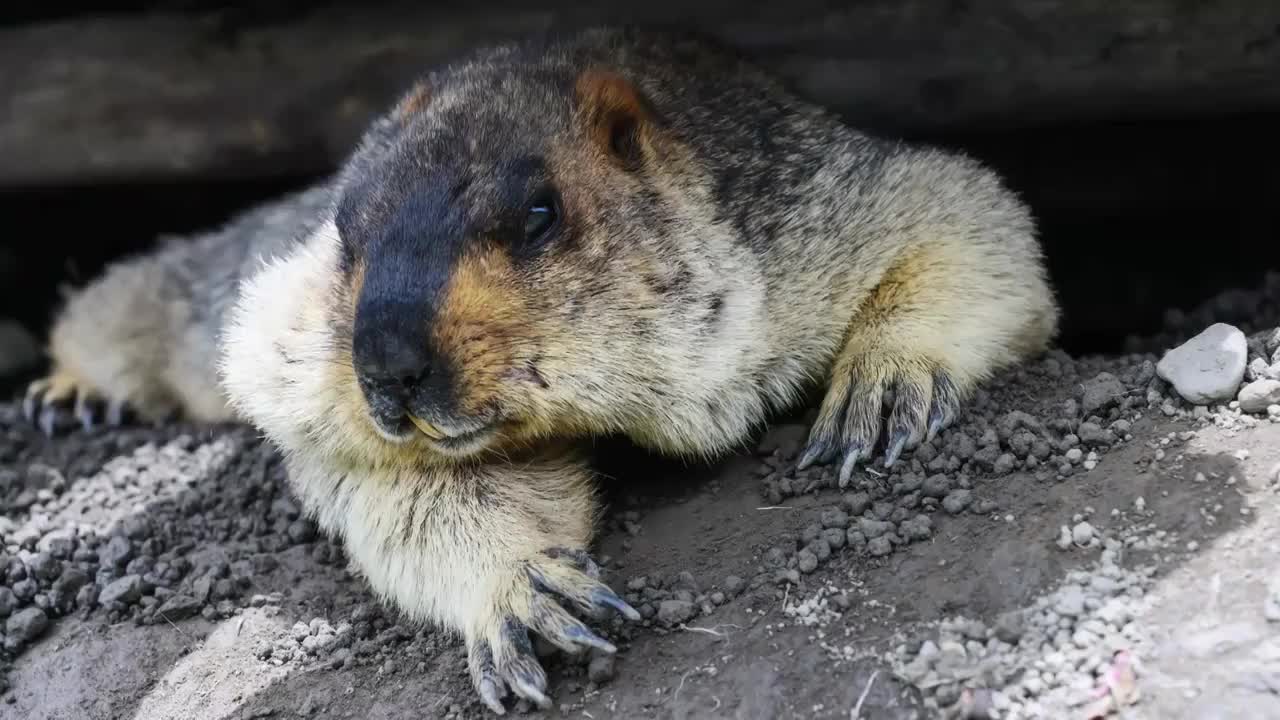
(145, 333)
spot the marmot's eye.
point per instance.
(542, 217)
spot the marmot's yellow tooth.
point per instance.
(427, 428)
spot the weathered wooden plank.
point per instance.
(180, 96)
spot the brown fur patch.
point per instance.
(414, 102)
(355, 283)
(618, 118)
(480, 325)
(898, 291)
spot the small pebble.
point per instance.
(956, 502)
(601, 668)
(807, 561)
(126, 590)
(879, 547)
(1069, 601)
(1082, 533)
(674, 612)
(26, 625)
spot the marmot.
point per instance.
(619, 231)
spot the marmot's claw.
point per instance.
(47, 403)
(910, 401)
(60, 401)
(512, 664)
(484, 674)
(606, 598)
(116, 410)
(898, 439)
(88, 409)
(520, 666)
(855, 452)
(819, 452)
(920, 400)
(34, 399)
(48, 421)
(945, 405)
(504, 659)
(575, 580)
(491, 695)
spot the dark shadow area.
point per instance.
(67, 235)
(25, 12)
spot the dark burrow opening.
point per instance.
(1137, 218)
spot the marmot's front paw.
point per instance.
(500, 653)
(55, 401)
(920, 395)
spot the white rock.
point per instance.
(1082, 534)
(1069, 601)
(1257, 395)
(1209, 367)
(929, 652)
(1256, 369)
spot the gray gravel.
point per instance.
(1038, 662)
(216, 516)
(1057, 437)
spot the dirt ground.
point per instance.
(1080, 527)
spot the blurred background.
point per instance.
(1143, 133)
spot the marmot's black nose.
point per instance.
(398, 361)
(390, 361)
(399, 377)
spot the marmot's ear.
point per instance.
(617, 116)
(413, 102)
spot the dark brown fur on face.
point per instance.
(480, 325)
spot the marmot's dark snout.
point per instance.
(402, 371)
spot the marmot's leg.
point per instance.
(107, 348)
(939, 323)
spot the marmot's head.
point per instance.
(527, 246)
(528, 249)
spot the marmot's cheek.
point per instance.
(482, 325)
